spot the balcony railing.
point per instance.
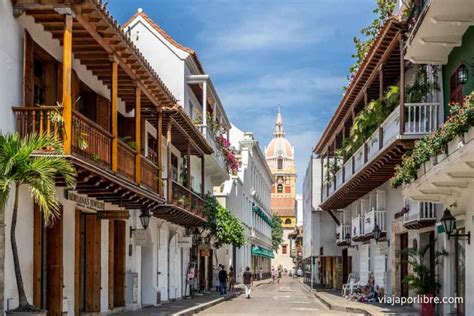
(341, 233)
(126, 163)
(89, 141)
(149, 174)
(420, 119)
(211, 139)
(357, 226)
(185, 198)
(375, 217)
(423, 214)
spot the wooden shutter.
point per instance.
(37, 254)
(75, 90)
(103, 112)
(28, 61)
(92, 264)
(111, 264)
(119, 261)
(54, 268)
(456, 93)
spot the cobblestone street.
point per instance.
(287, 298)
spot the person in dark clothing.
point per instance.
(248, 281)
(223, 281)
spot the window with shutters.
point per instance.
(174, 167)
(39, 81)
(284, 249)
(456, 93)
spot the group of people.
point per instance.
(222, 278)
(276, 274)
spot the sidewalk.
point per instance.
(189, 306)
(334, 301)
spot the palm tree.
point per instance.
(33, 161)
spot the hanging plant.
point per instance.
(459, 122)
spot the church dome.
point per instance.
(279, 146)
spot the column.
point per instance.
(202, 176)
(168, 162)
(138, 136)
(159, 151)
(113, 101)
(66, 82)
(204, 106)
(402, 88)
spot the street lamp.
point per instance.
(449, 224)
(462, 74)
(196, 236)
(145, 218)
(348, 240)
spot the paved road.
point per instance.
(287, 298)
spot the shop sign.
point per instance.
(118, 214)
(141, 237)
(185, 242)
(205, 252)
(84, 201)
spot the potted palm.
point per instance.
(423, 279)
(25, 162)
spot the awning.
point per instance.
(262, 215)
(262, 252)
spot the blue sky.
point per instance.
(261, 54)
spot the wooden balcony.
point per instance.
(374, 162)
(185, 207)
(420, 216)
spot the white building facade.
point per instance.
(181, 70)
(247, 195)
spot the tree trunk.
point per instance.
(22, 300)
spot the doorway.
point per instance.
(117, 247)
(48, 264)
(88, 253)
(460, 272)
(403, 264)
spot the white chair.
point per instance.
(351, 285)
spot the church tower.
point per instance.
(280, 156)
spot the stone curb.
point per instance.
(199, 308)
(347, 309)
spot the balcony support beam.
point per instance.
(159, 151)
(138, 136)
(66, 82)
(114, 112)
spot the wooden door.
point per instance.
(54, 268)
(103, 112)
(111, 263)
(47, 264)
(345, 266)
(209, 269)
(119, 263)
(403, 264)
(91, 274)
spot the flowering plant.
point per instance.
(460, 120)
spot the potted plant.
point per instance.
(423, 278)
(19, 166)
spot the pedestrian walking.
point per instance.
(248, 281)
(273, 274)
(260, 274)
(215, 276)
(279, 275)
(231, 279)
(223, 280)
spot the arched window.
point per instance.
(287, 221)
(280, 188)
(280, 163)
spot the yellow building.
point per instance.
(280, 156)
